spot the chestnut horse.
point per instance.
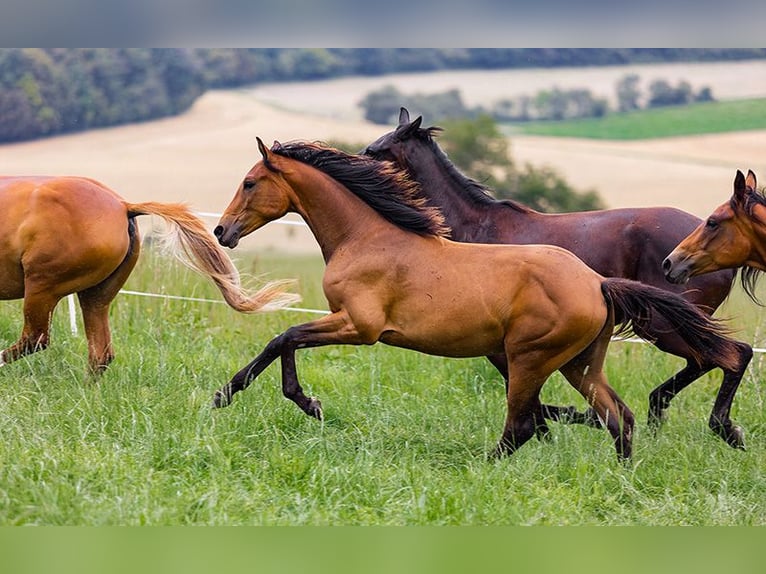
(392, 277)
(63, 235)
(629, 243)
(733, 236)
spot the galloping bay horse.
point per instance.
(629, 243)
(733, 236)
(63, 235)
(392, 276)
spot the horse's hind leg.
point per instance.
(660, 397)
(568, 414)
(35, 335)
(720, 422)
(95, 302)
(585, 373)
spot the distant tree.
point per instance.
(628, 94)
(704, 95)
(307, 64)
(551, 104)
(661, 93)
(544, 189)
(480, 150)
(440, 106)
(382, 106)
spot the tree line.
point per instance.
(381, 106)
(51, 91)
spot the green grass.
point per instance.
(404, 441)
(695, 119)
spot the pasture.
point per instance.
(405, 436)
(404, 440)
(672, 121)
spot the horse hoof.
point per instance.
(220, 400)
(501, 450)
(315, 408)
(655, 420)
(735, 438)
(495, 454)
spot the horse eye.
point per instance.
(248, 184)
(711, 223)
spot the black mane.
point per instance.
(477, 192)
(382, 186)
(749, 275)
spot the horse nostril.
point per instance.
(218, 231)
(666, 265)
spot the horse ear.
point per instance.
(266, 155)
(262, 148)
(740, 187)
(750, 180)
(406, 131)
(404, 116)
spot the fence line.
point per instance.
(73, 317)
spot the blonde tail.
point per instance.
(191, 242)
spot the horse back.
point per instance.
(52, 224)
(630, 243)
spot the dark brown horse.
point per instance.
(629, 243)
(63, 235)
(392, 277)
(733, 236)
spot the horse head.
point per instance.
(727, 239)
(262, 196)
(392, 146)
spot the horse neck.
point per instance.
(471, 220)
(334, 214)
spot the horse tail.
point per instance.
(189, 240)
(636, 305)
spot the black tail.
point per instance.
(636, 303)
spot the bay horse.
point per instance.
(391, 276)
(629, 243)
(733, 236)
(64, 235)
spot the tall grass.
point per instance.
(404, 440)
(694, 119)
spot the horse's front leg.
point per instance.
(334, 329)
(291, 387)
(245, 376)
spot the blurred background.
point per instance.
(559, 129)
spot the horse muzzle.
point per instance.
(676, 271)
(227, 236)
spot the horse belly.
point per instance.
(447, 320)
(448, 340)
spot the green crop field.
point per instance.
(702, 118)
(404, 440)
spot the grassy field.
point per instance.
(702, 118)
(404, 440)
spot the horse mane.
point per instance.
(477, 192)
(749, 275)
(380, 184)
